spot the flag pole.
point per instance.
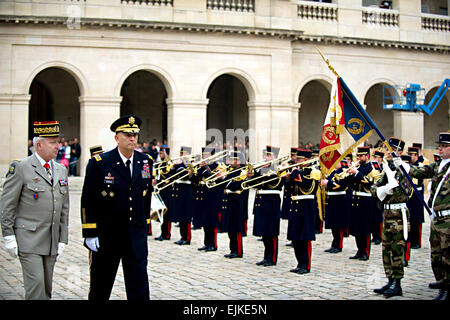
(366, 117)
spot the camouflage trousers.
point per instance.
(393, 243)
(440, 250)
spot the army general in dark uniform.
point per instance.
(115, 214)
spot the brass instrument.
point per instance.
(180, 175)
(170, 161)
(279, 173)
(345, 173)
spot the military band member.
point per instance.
(163, 170)
(117, 194)
(393, 190)
(377, 232)
(35, 211)
(439, 203)
(287, 190)
(206, 202)
(361, 209)
(337, 205)
(407, 159)
(266, 209)
(95, 150)
(182, 198)
(233, 204)
(415, 206)
(302, 214)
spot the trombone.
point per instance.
(180, 175)
(344, 173)
(279, 173)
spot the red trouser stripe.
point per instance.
(341, 238)
(169, 227)
(408, 251)
(381, 230)
(275, 246)
(188, 237)
(368, 245)
(420, 235)
(239, 243)
(215, 237)
(309, 254)
(149, 231)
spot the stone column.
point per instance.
(186, 124)
(409, 127)
(349, 17)
(410, 20)
(13, 128)
(284, 130)
(97, 114)
(259, 115)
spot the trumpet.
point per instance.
(263, 163)
(180, 175)
(344, 172)
(279, 173)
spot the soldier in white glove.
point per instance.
(35, 211)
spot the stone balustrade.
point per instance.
(317, 11)
(231, 5)
(434, 22)
(380, 17)
(162, 3)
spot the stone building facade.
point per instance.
(194, 68)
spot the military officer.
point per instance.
(361, 210)
(393, 190)
(266, 209)
(302, 213)
(415, 205)
(35, 211)
(439, 203)
(117, 191)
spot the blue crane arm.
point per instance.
(434, 102)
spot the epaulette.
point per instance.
(98, 157)
(150, 157)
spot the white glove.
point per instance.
(399, 162)
(392, 182)
(92, 243)
(11, 246)
(383, 191)
(61, 247)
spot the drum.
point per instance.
(158, 208)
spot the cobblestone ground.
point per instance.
(182, 272)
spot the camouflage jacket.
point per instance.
(431, 172)
(401, 193)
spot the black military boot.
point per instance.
(394, 290)
(443, 295)
(385, 287)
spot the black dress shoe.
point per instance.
(211, 248)
(303, 271)
(182, 242)
(160, 238)
(269, 263)
(334, 250)
(295, 270)
(434, 285)
(328, 250)
(364, 257)
(261, 263)
(356, 256)
(290, 244)
(416, 246)
(235, 255)
(227, 255)
(202, 248)
(376, 241)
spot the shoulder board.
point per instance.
(150, 157)
(98, 157)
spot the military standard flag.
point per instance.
(346, 126)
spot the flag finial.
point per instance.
(327, 62)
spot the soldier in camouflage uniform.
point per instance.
(393, 190)
(439, 202)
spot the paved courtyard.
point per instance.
(184, 273)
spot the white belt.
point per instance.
(442, 213)
(232, 192)
(182, 181)
(400, 206)
(395, 206)
(336, 193)
(419, 188)
(268, 192)
(362, 194)
(302, 197)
